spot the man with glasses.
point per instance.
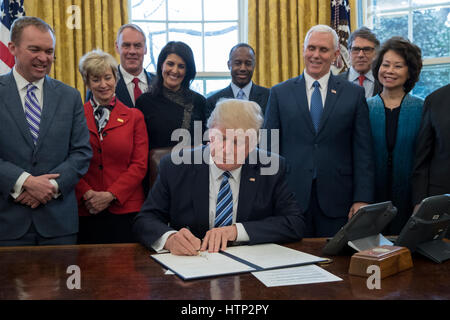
(363, 45)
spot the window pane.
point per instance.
(221, 10)
(197, 86)
(191, 34)
(184, 10)
(431, 32)
(427, 2)
(148, 9)
(215, 85)
(219, 39)
(389, 4)
(386, 27)
(432, 78)
(156, 40)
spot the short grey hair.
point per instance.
(236, 114)
(322, 28)
(131, 26)
(364, 33)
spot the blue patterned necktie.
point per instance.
(32, 112)
(240, 94)
(224, 207)
(316, 105)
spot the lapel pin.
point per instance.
(120, 120)
(252, 179)
(333, 91)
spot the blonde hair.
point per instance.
(96, 63)
(236, 114)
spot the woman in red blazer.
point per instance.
(111, 193)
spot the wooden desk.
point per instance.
(126, 272)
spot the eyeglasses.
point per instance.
(366, 50)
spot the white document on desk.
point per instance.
(201, 266)
(233, 260)
(295, 276)
(269, 256)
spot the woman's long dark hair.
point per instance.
(185, 52)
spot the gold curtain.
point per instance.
(277, 29)
(98, 20)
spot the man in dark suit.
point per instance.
(363, 46)
(44, 143)
(241, 63)
(431, 175)
(324, 134)
(133, 79)
(234, 199)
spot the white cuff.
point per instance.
(242, 235)
(18, 187)
(55, 184)
(159, 244)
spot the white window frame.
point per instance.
(364, 11)
(242, 37)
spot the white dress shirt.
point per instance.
(128, 78)
(368, 84)
(22, 84)
(215, 179)
(246, 90)
(323, 82)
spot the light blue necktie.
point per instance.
(316, 106)
(32, 112)
(240, 95)
(224, 207)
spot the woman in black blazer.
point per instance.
(171, 104)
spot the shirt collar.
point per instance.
(353, 75)
(22, 83)
(246, 89)
(217, 173)
(128, 78)
(322, 81)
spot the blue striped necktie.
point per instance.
(316, 105)
(224, 208)
(240, 95)
(32, 112)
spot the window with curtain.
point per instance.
(209, 27)
(426, 23)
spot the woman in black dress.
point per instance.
(171, 104)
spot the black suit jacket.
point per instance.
(122, 91)
(431, 175)
(258, 94)
(376, 89)
(266, 207)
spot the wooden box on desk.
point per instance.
(390, 259)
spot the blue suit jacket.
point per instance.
(122, 91)
(258, 94)
(63, 147)
(266, 207)
(341, 152)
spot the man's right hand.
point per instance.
(40, 187)
(183, 243)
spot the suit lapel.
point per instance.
(332, 94)
(117, 118)
(13, 103)
(200, 196)
(247, 191)
(302, 101)
(122, 91)
(51, 101)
